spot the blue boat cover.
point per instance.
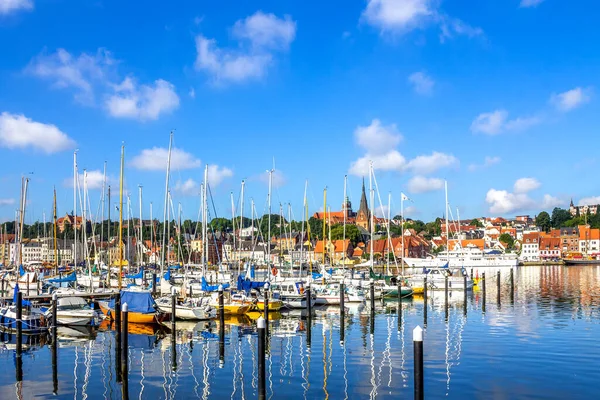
(139, 275)
(23, 302)
(72, 277)
(247, 284)
(139, 302)
(212, 288)
(316, 275)
(21, 270)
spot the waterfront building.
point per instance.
(530, 246)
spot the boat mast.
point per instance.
(241, 215)
(447, 231)
(84, 224)
(109, 233)
(389, 239)
(141, 237)
(128, 232)
(324, 221)
(345, 208)
(402, 196)
(151, 235)
(22, 218)
(75, 208)
(166, 205)
(102, 209)
(233, 253)
(121, 218)
(302, 234)
(269, 224)
(55, 239)
(205, 220)
(252, 228)
(371, 220)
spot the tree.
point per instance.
(221, 225)
(352, 233)
(508, 240)
(543, 221)
(316, 228)
(559, 217)
(476, 222)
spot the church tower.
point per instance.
(347, 208)
(363, 216)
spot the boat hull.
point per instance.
(134, 317)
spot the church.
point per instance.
(361, 218)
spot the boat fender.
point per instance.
(274, 271)
(302, 290)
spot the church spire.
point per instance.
(363, 215)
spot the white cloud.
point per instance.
(188, 188)
(217, 174)
(18, 131)
(589, 201)
(411, 211)
(421, 184)
(421, 83)
(453, 26)
(7, 202)
(377, 139)
(379, 143)
(495, 122)
(90, 74)
(530, 3)
(525, 185)
(9, 6)
(549, 202)
(427, 164)
(278, 179)
(504, 202)
(192, 93)
(487, 162)
(402, 16)
(571, 99)
(145, 102)
(397, 15)
(67, 71)
(390, 161)
(382, 211)
(94, 180)
(155, 159)
(260, 36)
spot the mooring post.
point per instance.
(154, 284)
(308, 316)
(28, 278)
(498, 288)
(54, 345)
(483, 291)
(465, 294)
(261, 359)
(446, 292)
(19, 327)
(118, 336)
(342, 312)
(399, 305)
(471, 273)
(372, 293)
(125, 351)
(173, 309)
(266, 306)
(418, 362)
(425, 302)
(512, 286)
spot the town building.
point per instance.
(550, 248)
(569, 239)
(530, 246)
(583, 209)
(589, 240)
(68, 220)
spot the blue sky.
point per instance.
(499, 98)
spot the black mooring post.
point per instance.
(498, 288)
(54, 345)
(125, 352)
(465, 294)
(483, 291)
(221, 327)
(19, 323)
(418, 362)
(261, 359)
(512, 286)
(118, 336)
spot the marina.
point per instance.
(535, 338)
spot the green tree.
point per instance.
(543, 221)
(352, 233)
(559, 217)
(476, 222)
(316, 228)
(221, 225)
(508, 240)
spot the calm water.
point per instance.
(543, 345)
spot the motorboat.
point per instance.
(142, 308)
(292, 294)
(188, 310)
(73, 311)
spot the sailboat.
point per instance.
(32, 318)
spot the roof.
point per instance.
(454, 244)
(532, 237)
(549, 243)
(339, 246)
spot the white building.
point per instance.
(530, 247)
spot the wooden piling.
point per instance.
(418, 363)
(261, 359)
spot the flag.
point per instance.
(404, 197)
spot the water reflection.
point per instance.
(529, 342)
